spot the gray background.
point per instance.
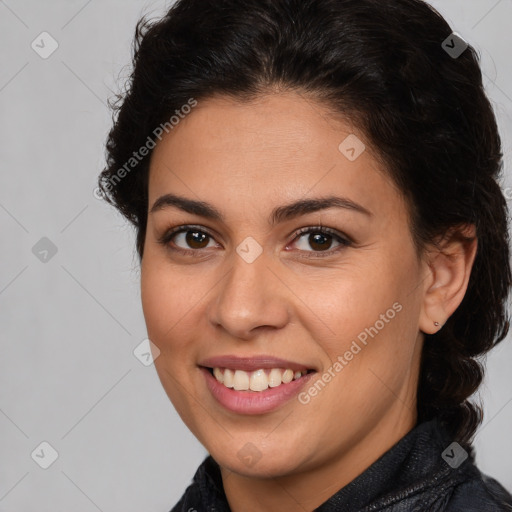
(68, 326)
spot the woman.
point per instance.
(324, 248)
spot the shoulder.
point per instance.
(479, 493)
(205, 493)
(189, 499)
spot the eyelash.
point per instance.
(344, 241)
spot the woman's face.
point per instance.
(342, 301)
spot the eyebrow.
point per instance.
(279, 214)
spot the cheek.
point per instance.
(356, 300)
(372, 315)
(167, 301)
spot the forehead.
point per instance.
(274, 149)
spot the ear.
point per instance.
(448, 263)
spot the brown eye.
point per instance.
(320, 240)
(186, 239)
(196, 239)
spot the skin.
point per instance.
(245, 159)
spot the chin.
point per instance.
(252, 461)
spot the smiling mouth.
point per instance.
(257, 380)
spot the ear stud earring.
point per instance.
(436, 324)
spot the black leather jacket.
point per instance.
(424, 471)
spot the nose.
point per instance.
(251, 297)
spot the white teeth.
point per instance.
(228, 378)
(241, 380)
(218, 374)
(258, 380)
(274, 377)
(287, 376)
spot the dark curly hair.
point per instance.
(382, 66)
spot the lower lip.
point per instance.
(254, 402)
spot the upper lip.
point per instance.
(251, 363)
